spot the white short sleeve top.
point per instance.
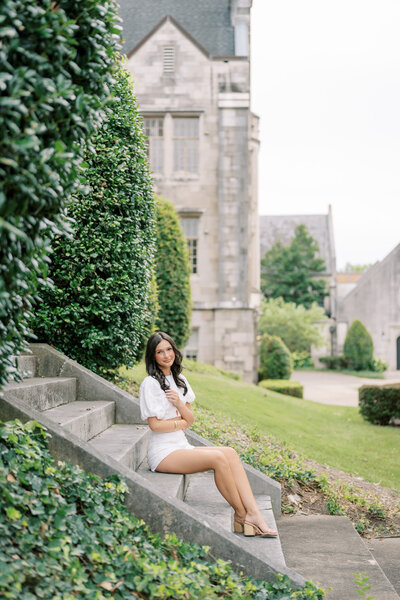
(154, 401)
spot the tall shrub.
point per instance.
(275, 359)
(100, 309)
(56, 70)
(296, 325)
(172, 274)
(358, 346)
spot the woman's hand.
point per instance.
(173, 397)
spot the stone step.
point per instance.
(27, 365)
(329, 551)
(125, 443)
(167, 483)
(43, 393)
(203, 495)
(84, 419)
(386, 552)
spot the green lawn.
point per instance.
(332, 435)
(365, 374)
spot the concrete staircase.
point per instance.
(98, 426)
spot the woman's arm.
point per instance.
(167, 425)
(184, 407)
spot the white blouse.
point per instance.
(154, 401)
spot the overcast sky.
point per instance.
(326, 85)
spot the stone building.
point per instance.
(375, 300)
(191, 65)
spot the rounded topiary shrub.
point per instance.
(101, 307)
(379, 404)
(172, 268)
(275, 359)
(358, 347)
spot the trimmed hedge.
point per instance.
(172, 268)
(379, 404)
(100, 310)
(336, 363)
(275, 359)
(283, 386)
(56, 70)
(358, 347)
(302, 360)
(67, 535)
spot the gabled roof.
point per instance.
(274, 228)
(208, 22)
(178, 26)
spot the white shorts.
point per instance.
(162, 444)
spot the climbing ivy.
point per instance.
(56, 71)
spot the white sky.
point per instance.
(326, 85)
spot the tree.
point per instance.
(99, 311)
(57, 61)
(275, 360)
(296, 325)
(350, 268)
(172, 268)
(289, 271)
(358, 347)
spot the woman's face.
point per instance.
(164, 356)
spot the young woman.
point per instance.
(165, 401)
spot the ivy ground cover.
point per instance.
(66, 535)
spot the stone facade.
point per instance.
(375, 300)
(203, 143)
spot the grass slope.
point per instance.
(332, 435)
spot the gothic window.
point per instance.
(186, 144)
(154, 130)
(190, 227)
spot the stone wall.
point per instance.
(376, 302)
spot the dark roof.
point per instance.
(207, 21)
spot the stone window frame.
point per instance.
(159, 165)
(167, 117)
(191, 350)
(186, 133)
(193, 241)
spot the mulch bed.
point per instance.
(307, 499)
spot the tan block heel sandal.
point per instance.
(251, 529)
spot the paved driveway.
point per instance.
(336, 388)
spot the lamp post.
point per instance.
(332, 331)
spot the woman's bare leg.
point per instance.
(195, 461)
(243, 486)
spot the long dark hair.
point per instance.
(152, 367)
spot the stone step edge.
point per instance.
(122, 450)
(43, 394)
(89, 423)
